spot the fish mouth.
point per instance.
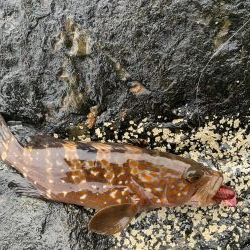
(204, 195)
(217, 193)
(226, 196)
(214, 192)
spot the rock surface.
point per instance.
(58, 58)
(113, 63)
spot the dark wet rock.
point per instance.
(131, 59)
(60, 58)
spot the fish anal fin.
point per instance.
(26, 189)
(113, 219)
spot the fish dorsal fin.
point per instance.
(113, 219)
(116, 147)
(44, 141)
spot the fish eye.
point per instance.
(193, 175)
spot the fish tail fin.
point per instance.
(10, 149)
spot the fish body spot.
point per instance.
(133, 164)
(95, 173)
(59, 163)
(5, 144)
(109, 176)
(83, 197)
(148, 190)
(123, 192)
(134, 171)
(104, 162)
(158, 189)
(120, 174)
(48, 193)
(135, 198)
(113, 194)
(146, 177)
(91, 163)
(126, 190)
(4, 156)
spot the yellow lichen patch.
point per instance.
(206, 135)
(177, 121)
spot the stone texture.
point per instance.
(58, 58)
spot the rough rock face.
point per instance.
(58, 58)
(65, 62)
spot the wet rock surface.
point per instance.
(59, 58)
(108, 66)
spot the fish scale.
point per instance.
(118, 180)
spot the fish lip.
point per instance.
(204, 196)
(216, 188)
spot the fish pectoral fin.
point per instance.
(113, 219)
(22, 187)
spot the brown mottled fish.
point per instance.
(118, 180)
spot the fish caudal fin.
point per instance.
(10, 149)
(113, 219)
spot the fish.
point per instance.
(117, 180)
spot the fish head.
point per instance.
(197, 185)
(205, 182)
